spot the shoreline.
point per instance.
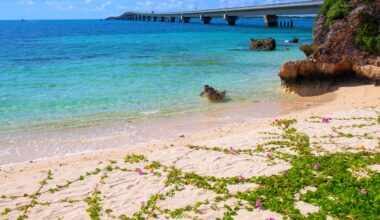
(212, 123)
(108, 136)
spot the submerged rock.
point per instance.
(338, 51)
(263, 44)
(294, 40)
(213, 95)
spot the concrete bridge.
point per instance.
(270, 13)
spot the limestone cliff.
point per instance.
(346, 43)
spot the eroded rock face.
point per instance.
(306, 70)
(335, 53)
(263, 44)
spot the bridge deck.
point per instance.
(293, 8)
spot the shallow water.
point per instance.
(68, 75)
(52, 71)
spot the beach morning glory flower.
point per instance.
(285, 172)
(362, 192)
(241, 177)
(269, 154)
(233, 150)
(316, 166)
(276, 121)
(331, 136)
(326, 120)
(258, 203)
(271, 218)
(142, 203)
(140, 172)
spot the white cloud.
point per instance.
(87, 1)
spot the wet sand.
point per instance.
(50, 141)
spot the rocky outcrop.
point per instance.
(213, 95)
(308, 49)
(262, 44)
(344, 45)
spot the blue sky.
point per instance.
(94, 9)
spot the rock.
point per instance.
(263, 44)
(335, 53)
(212, 94)
(308, 49)
(309, 70)
(369, 71)
(294, 40)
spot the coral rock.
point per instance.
(263, 44)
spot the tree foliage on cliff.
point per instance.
(335, 9)
(368, 34)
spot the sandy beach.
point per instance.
(219, 173)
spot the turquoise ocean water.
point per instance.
(68, 71)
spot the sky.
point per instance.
(97, 9)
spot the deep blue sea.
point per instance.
(89, 70)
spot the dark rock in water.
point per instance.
(344, 47)
(294, 40)
(263, 44)
(212, 94)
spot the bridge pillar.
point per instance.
(154, 18)
(172, 19)
(231, 20)
(206, 20)
(148, 18)
(143, 18)
(185, 19)
(271, 20)
(140, 17)
(162, 19)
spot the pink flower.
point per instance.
(362, 192)
(241, 177)
(316, 166)
(285, 172)
(276, 121)
(142, 203)
(326, 120)
(331, 136)
(258, 203)
(233, 150)
(271, 218)
(140, 172)
(269, 154)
